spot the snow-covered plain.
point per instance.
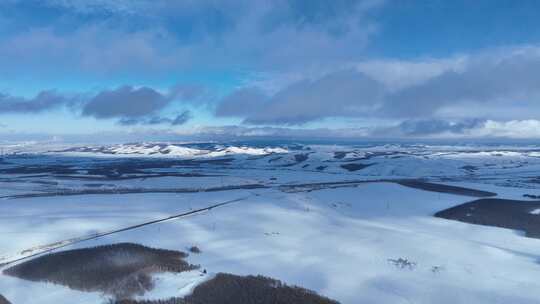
(299, 215)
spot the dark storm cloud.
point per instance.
(181, 118)
(343, 93)
(491, 81)
(255, 131)
(499, 85)
(141, 106)
(43, 101)
(241, 103)
(127, 102)
(178, 120)
(437, 126)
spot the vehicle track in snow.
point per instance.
(42, 249)
(303, 187)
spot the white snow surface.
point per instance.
(339, 242)
(535, 212)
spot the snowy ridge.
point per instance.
(373, 161)
(166, 149)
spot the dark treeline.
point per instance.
(121, 270)
(227, 288)
(3, 300)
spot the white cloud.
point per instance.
(509, 129)
(88, 6)
(97, 48)
(499, 84)
(399, 74)
(152, 35)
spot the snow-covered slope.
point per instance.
(167, 149)
(334, 219)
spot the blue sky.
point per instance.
(355, 68)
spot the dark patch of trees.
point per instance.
(402, 263)
(340, 154)
(39, 169)
(419, 184)
(122, 270)
(354, 167)
(118, 169)
(301, 157)
(119, 190)
(502, 213)
(275, 159)
(469, 168)
(3, 300)
(195, 249)
(232, 289)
